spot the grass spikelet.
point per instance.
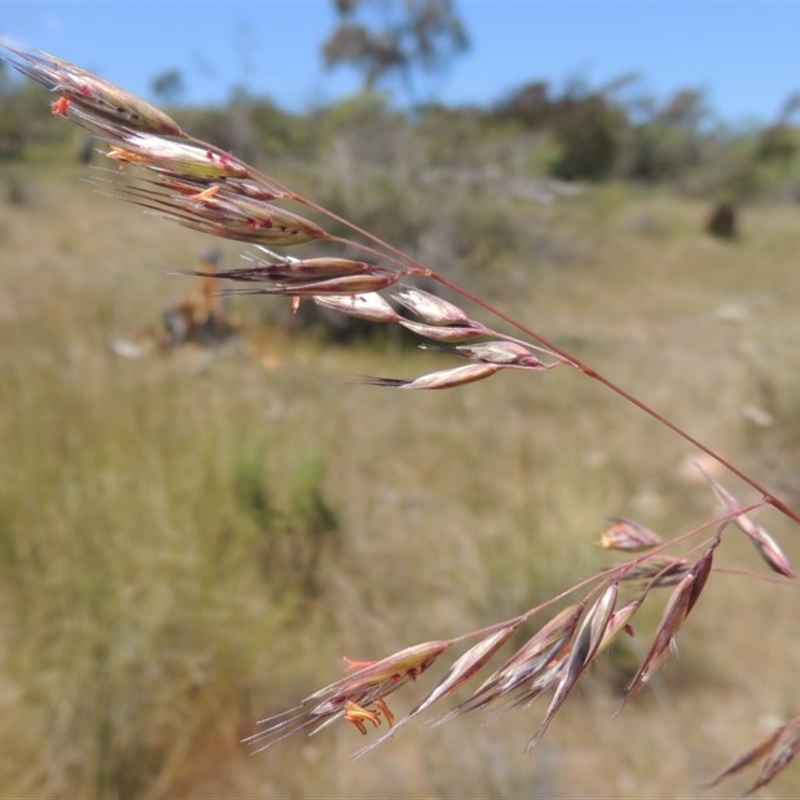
(766, 546)
(657, 571)
(430, 308)
(345, 285)
(772, 554)
(620, 621)
(369, 306)
(443, 379)
(179, 159)
(460, 672)
(780, 755)
(229, 216)
(95, 96)
(357, 697)
(526, 664)
(680, 603)
(445, 333)
(779, 748)
(301, 271)
(752, 754)
(587, 641)
(625, 534)
(510, 354)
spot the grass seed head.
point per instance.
(460, 672)
(344, 286)
(584, 649)
(96, 97)
(430, 308)
(369, 306)
(444, 333)
(499, 351)
(657, 571)
(296, 270)
(767, 547)
(527, 666)
(443, 379)
(780, 756)
(625, 534)
(227, 215)
(772, 554)
(177, 158)
(680, 603)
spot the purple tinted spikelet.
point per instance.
(97, 98)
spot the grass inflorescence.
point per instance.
(289, 550)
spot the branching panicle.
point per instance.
(168, 172)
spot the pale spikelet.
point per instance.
(443, 379)
(95, 96)
(445, 333)
(773, 556)
(766, 546)
(430, 308)
(409, 663)
(509, 354)
(587, 641)
(180, 159)
(461, 671)
(356, 697)
(369, 306)
(620, 621)
(625, 534)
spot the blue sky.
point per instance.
(746, 55)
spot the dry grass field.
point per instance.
(192, 540)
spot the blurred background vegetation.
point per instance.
(192, 539)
